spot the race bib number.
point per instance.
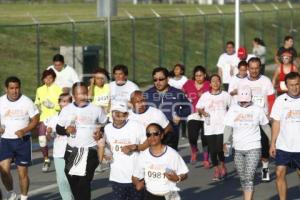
(155, 175)
(258, 100)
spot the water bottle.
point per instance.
(207, 119)
(228, 150)
(73, 124)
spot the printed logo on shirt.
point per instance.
(293, 115)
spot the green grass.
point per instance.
(186, 39)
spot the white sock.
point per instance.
(265, 164)
(23, 197)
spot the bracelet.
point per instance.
(179, 179)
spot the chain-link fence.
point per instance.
(141, 43)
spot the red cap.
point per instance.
(242, 53)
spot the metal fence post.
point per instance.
(158, 37)
(183, 39)
(133, 55)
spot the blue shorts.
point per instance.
(17, 149)
(290, 159)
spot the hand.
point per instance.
(97, 135)
(49, 136)
(234, 92)
(92, 81)
(272, 151)
(49, 130)
(176, 119)
(128, 149)
(71, 130)
(20, 133)
(2, 130)
(205, 114)
(140, 185)
(172, 176)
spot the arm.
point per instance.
(228, 132)
(275, 133)
(275, 75)
(267, 129)
(32, 124)
(139, 184)
(91, 89)
(276, 58)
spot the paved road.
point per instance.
(198, 186)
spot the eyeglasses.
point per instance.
(148, 134)
(158, 79)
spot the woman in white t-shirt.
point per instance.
(242, 126)
(177, 78)
(213, 106)
(159, 168)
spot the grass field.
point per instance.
(193, 39)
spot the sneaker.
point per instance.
(216, 174)
(265, 175)
(46, 166)
(193, 158)
(12, 196)
(223, 172)
(206, 164)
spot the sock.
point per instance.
(23, 197)
(265, 164)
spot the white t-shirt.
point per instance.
(233, 85)
(16, 115)
(85, 119)
(121, 169)
(177, 83)
(123, 92)
(151, 115)
(245, 123)
(227, 62)
(66, 77)
(261, 89)
(287, 110)
(216, 106)
(152, 169)
(60, 141)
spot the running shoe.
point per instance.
(193, 158)
(216, 174)
(265, 175)
(206, 164)
(46, 166)
(223, 172)
(12, 196)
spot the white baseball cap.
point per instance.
(119, 106)
(244, 94)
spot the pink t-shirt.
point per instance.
(192, 93)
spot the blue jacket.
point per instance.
(171, 102)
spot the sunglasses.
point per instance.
(158, 79)
(148, 134)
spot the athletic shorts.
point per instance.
(17, 149)
(290, 159)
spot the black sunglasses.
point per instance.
(148, 134)
(158, 79)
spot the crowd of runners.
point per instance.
(238, 111)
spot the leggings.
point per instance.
(126, 191)
(62, 181)
(264, 145)
(195, 127)
(215, 148)
(246, 163)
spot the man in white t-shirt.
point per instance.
(66, 76)
(121, 88)
(19, 116)
(227, 64)
(263, 95)
(123, 132)
(82, 120)
(285, 143)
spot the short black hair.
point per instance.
(288, 37)
(58, 58)
(12, 79)
(230, 43)
(215, 75)
(48, 72)
(62, 95)
(242, 63)
(164, 70)
(254, 59)
(78, 84)
(182, 68)
(102, 71)
(121, 67)
(159, 127)
(199, 68)
(291, 76)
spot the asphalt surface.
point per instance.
(197, 187)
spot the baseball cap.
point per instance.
(244, 94)
(119, 106)
(242, 53)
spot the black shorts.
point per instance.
(290, 159)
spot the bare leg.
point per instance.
(23, 179)
(6, 175)
(281, 181)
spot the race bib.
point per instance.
(155, 174)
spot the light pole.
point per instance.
(237, 24)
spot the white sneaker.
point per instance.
(265, 175)
(12, 196)
(46, 166)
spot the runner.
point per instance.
(82, 120)
(193, 89)
(287, 45)
(236, 80)
(170, 100)
(159, 168)
(19, 116)
(286, 66)
(66, 76)
(46, 100)
(242, 123)
(59, 149)
(123, 132)
(263, 95)
(259, 51)
(99, 91)
(285, 132)
(213, 106)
